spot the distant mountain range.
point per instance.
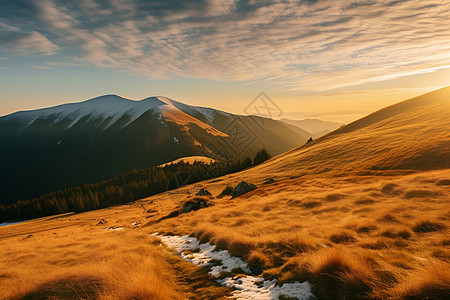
(71, 144)
(315, 127)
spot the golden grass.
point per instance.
(434, 281)
(84, 261)
(353, 212)
(361, 249)
(100, 265)
(363, 244)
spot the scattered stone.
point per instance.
(195, 203)
(242, 188)
(203, 192)
(270, 180)
(102, 221)
(256, 270)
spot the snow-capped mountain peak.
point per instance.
(104, 107)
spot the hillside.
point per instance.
(361, 213)
(72, 144)
(190, 160)
(410, 135)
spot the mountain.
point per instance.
(316, 127)
(71, 144)
(410, 135)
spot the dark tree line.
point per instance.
(121, 189)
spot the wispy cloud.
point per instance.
(315, 45)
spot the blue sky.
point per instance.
(331, 59)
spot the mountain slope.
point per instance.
(71, 144)
(411, 135)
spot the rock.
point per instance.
(269, 181)
(195, 204)
(256, 270)
(102, 221)
(203, 192)
(242, 188)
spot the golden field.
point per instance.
(362, 213)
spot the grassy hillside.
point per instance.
(362, 213)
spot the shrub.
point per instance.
(261, 156)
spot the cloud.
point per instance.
(25, 43)
(314, 45)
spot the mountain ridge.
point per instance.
(89, 141)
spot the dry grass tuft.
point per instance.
(391, 189)
(393, 234)
(420, 194)
(388, 218)
(431, 283)
(428, 226)
(366, 229)
(311, 204)
(258, 259)
(443, 182)
(67, 287)
(365, 202)
(343, 238)
(334, 197)
(339, 276)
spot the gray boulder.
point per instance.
(242, 188)
(269, 181)
(203, 192)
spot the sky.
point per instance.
(329, 59)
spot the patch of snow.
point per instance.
(209, 113)
(250, 287)
(10, 223)
(114, 228)
(136, 224)
(245, 286)
(58, 143)
(175, 140)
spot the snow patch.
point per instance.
(209, 113)
(175, 140)
(114, 228)
(245, 286)
(10, 223)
